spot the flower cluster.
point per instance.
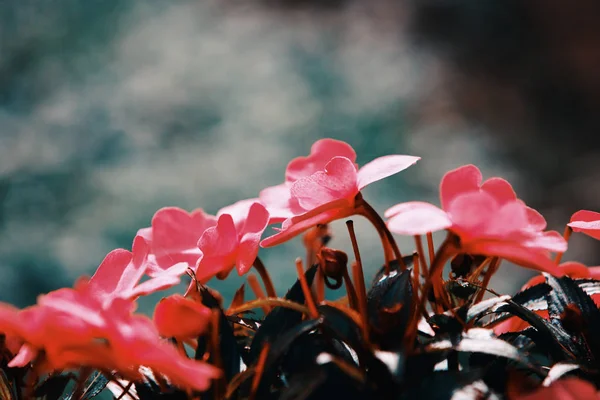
(94, 326)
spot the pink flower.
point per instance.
(71, 328)
(587, 222)
(119, 275)
(487, 217)
(323, 187)
(232, 242)
(174, 235)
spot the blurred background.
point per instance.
(110, 110)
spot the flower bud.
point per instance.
(333, 263)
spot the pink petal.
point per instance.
(221, 239)
(72, 303)
(416, 218)
(156, 284)
(458, 181)
(337, 181)
(256, 223)
(514, 252)
(238, 211)
(470, 213)
(576, 270)
(383, 167)
(587, 222)
(146, 233)
(176, 233)
(536, 221)
(500, 189)
(278, 201)
(26, 354)
(136, 268)
(550, 241)
(321, 152)
(109, 273)
(321, 215)
(511, 217)
(594, 272)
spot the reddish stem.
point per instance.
(566, 235)
(359, 279)
(419, 244)
(266, 278)
(430, 247)
(387, 239)
(310, 302)
(258, 292)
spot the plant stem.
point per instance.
(310, 302)
(419, 244)
(266, 278)
(357, 274)
(566, 235)
(387, 239)
(258, 292)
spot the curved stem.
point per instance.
(215, 351)
(350, 291)
(566, 235)
(269, 301)
(319, 284)
(266, 278)
(255, 286)
(310, 301)
(369, 212)
(357, 274)
(444, 253)
(494, 265)
(421, 252)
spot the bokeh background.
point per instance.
(112, 109)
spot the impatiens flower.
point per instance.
(323, 187)
(181, 318)
(174, 235)
(232, 242)
(487, 217)
(119, 274)
(587, 222)
(71, 328)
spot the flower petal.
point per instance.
(516, 253)
(337, 181)
(278, 200)
(500, 189)
(111, 269)
(587, 222)
(416, 218)
(176, 233)
(383, 167)
(321, 152)
(550, 241)
(458, 181)
(298, 224)
(238, 211)
(536, 221)
(510, 218)
(221, 239)
(181, 318)
(256, 223)
(576, 270)
(470, 213)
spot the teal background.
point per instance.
(110, 110)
